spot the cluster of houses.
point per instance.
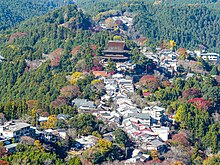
(143, 126)
(120, 22)
(12, 131)
(167, 59)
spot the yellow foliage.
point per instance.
(77, 74)
(12, 46)
(51, 121)
(154, 154)
(179, 114)
(172, 44)
(38, 145)
(199, 63)
(96, 81)
(145, 90)
(218, 67)
(117, 38)
(99, 15)
(75, 77)
(104, 145)
(33, 117)
(115, 29)
(110, 22)
(177, 163)
(72, 19)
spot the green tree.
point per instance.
(75, 161)
(121, 138)
(117, 38)
(211, 139)
(214, 70)
(111, 66)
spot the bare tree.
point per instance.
(26, 140)
(2, 118)
(72, 133)
(47, 161)
(141, 102)
(216, 117)
(180, 153)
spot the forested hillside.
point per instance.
(189, 23)
(188, 1)
(14, 11)
(189, 26)
(105, 5)
(47, 42)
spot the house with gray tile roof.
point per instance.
(84, 104)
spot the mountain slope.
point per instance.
(14, 11)
(38, 57)
(190, 23)
(189, 26)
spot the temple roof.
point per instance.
(113, 56)
(116, 45)
(115, 51)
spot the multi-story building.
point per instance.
(15, 130)
(212, 57)
(154, 111)
(117, 52)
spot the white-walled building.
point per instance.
(212, 57)
(154, 111)
(15, 130)
(163, 132)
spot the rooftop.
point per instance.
(116, 45)
(15, 126)
(143, 116)
(87, 140)
(63, 116)
(101, 73)
(11, 145)
(83, 102)
(156, 143)
(209, 54)
(42, 119)
(155, 108)
(1, 58)
(115, 57)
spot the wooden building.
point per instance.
(117, 51)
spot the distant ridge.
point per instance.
(12, 12)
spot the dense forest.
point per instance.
(105, 5)
(13, 12)
(41, 52)
(188, 26)
(192, 24)
(42, 36)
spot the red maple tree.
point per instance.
(201, 103)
